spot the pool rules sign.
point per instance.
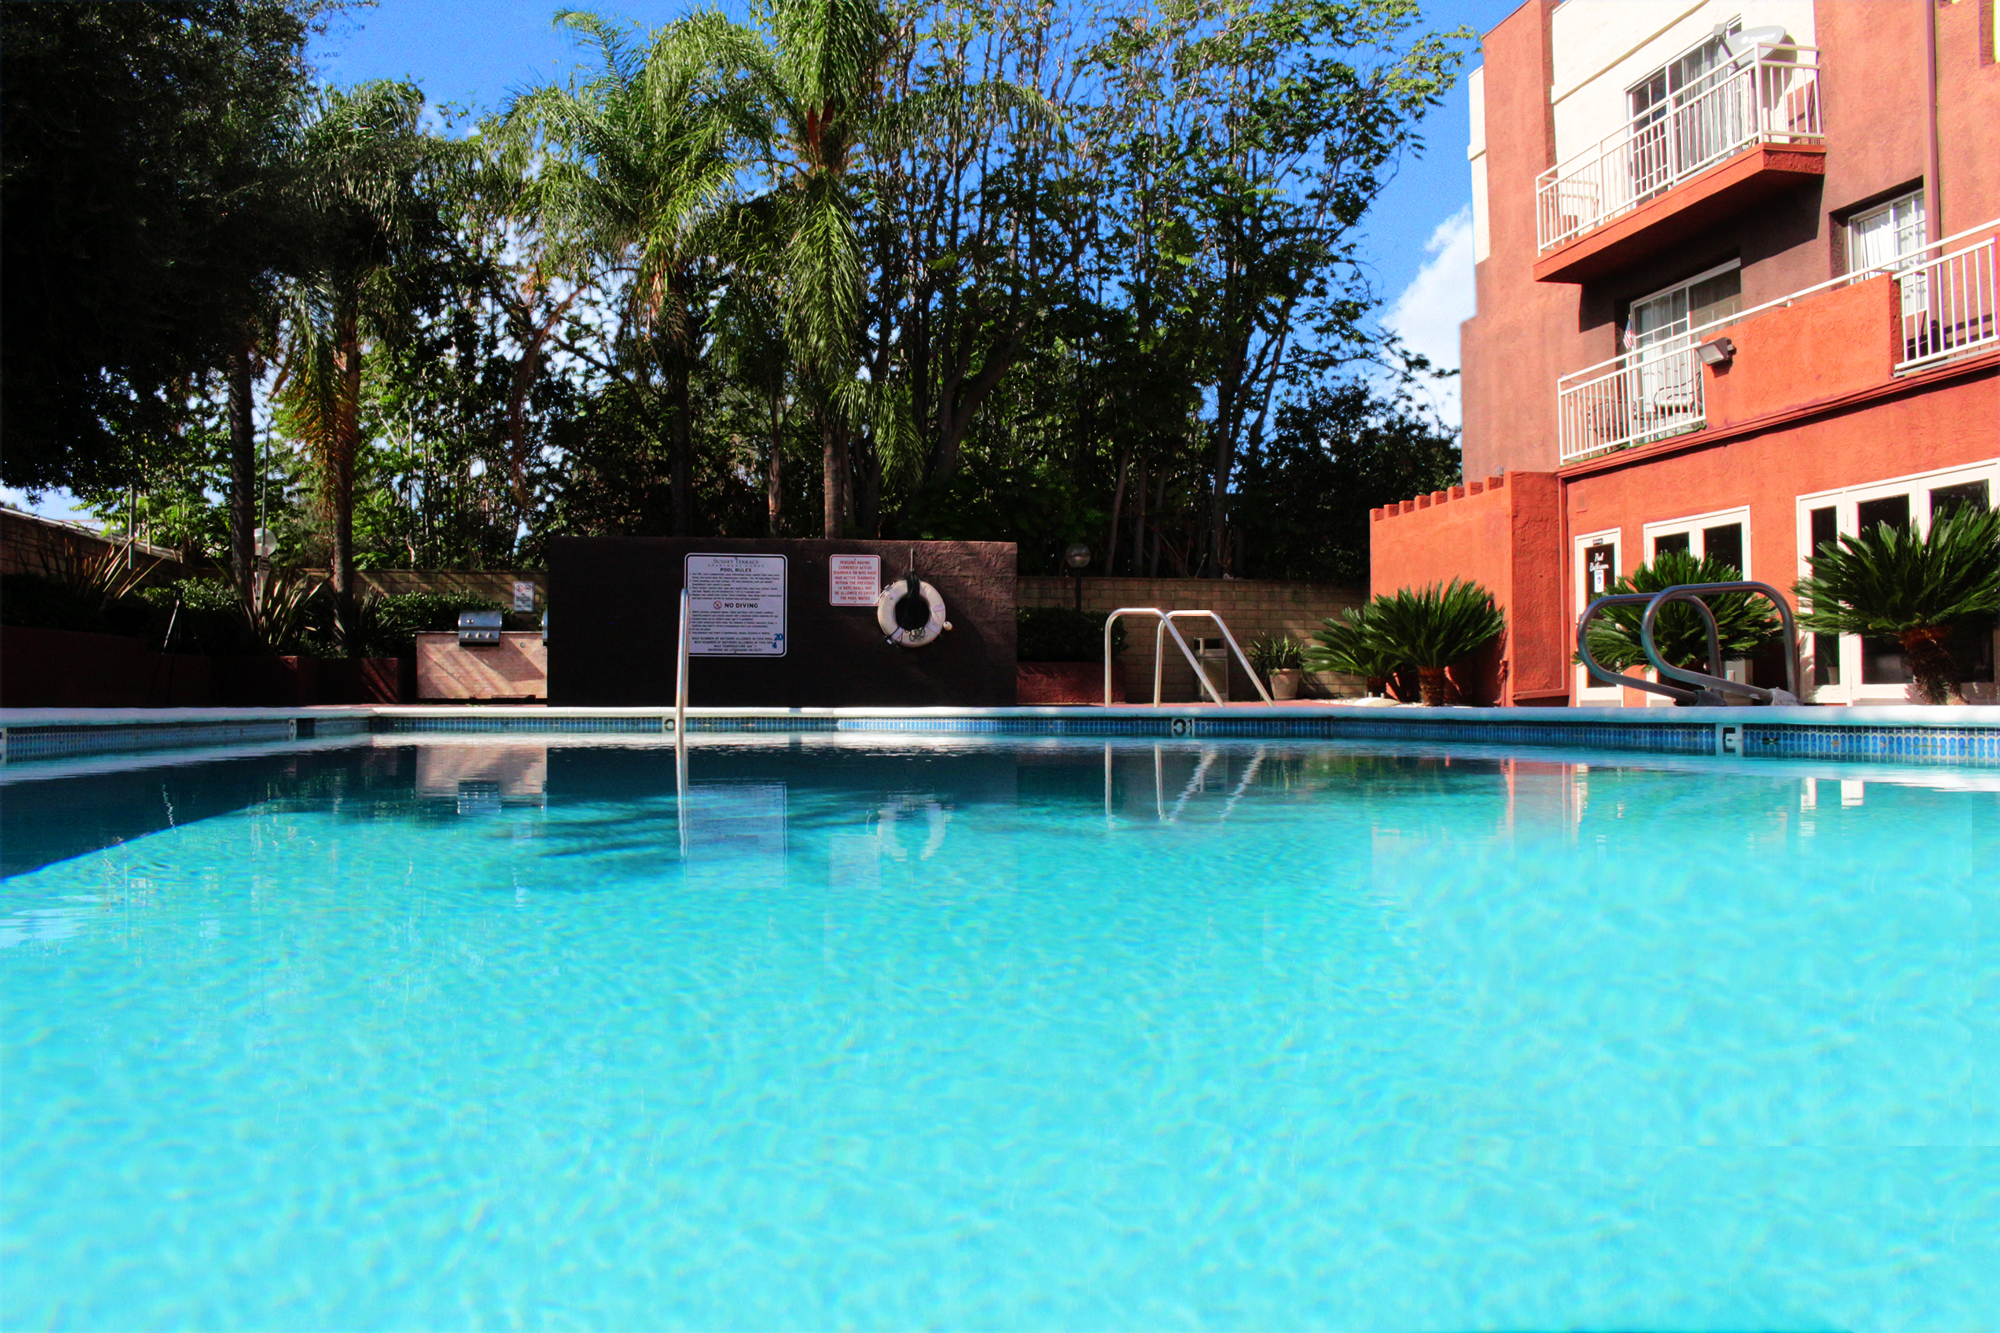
(736, 605)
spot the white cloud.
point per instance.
(1428, 312)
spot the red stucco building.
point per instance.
(1736, 293)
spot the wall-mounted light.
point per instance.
(1716, 352)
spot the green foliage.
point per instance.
(1282, 653)
(1433, 627)
(1744, 622)
(392, 621)
(1335, 454)
(1063, 634)
(146, 205)
(202, 616)
(1344, 644)
(1890, 582)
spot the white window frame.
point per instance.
(1669, 290)
(1914, 295)
(1844, 501)
(1588, 691)
(1693, 526)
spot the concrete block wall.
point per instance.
(1253, 609)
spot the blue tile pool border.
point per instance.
(1958, 736)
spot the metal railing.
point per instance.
(1166, 627)
(1769, 95)
(1696, 687)
(1950, 307)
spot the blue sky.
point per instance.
(1419, 242)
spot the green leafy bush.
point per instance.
(1744, 622)
(1425, 630)
(1062, 634)
(1281, 653)
(1922, 591)
(388, 625)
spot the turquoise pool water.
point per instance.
(1037, 1035)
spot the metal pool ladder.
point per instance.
(1704, 689)
(1166, 626)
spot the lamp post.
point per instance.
(267, 546)
(1077, 557)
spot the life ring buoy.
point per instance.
(910, 612)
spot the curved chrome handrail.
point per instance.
(1186, 652)
(1678, 694)
(1248, 670)
(1694, 593)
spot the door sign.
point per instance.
(736, 605)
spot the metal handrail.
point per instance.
(1698, 688)
(1694, 592)
(1248, 670)
(1608, 676)
(1186, 652)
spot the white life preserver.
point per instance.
(885, 614)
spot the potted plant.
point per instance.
(1342, 644)
(1280, 661)
(1891, 583)
(1431, 628)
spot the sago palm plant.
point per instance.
(1433, 627)
(1342, 644)
(1744, 622)
(1922, 591)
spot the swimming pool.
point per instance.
(1022, 1033)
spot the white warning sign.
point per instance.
(853, 580)
(736, 605)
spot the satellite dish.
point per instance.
(1746, 42)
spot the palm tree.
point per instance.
(640, 174)
(1343, 644)
(1744, 622)
(1432, 628)
(1890, 583)
(370, 174)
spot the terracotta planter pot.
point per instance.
(1285, 683)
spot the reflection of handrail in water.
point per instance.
(1249, 776)
(680, 726)
(1200, 771)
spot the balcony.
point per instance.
(1739, 135)
(1855, 332)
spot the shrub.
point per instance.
(1342, 644)
(1744, 622)
(1429, 629)
(388, 625)
(1282, 653)
(1890, 583)
(1061, 634)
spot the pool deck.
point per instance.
(1956, 734)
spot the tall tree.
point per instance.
(144, 147)
(371, 180)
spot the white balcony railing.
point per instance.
(1769, 94)
(1949, 307)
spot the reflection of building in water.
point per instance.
(481, 779)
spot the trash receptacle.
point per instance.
(1213, 655)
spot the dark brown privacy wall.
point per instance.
(615, 601)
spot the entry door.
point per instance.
(1596, 569)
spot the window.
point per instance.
(1665, 317)
(1891, 236)
(1855, 669)
(1681, 114)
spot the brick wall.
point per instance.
(1252, 608)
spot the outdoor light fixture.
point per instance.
(1716, 351)
(1077, 557)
